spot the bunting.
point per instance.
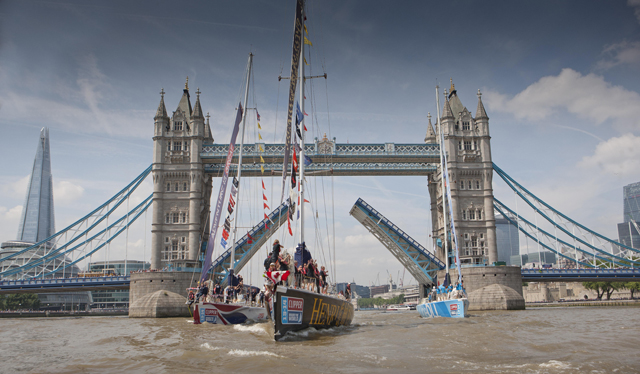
(307, 42)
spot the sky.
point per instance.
(560, 85)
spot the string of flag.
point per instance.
(226, 227)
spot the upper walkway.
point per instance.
(581, 275)
(64, 284)
(329, 158)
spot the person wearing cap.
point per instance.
(275, 254)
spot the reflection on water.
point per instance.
(544, 340)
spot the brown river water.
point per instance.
(537, 340)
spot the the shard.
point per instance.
(37, 222)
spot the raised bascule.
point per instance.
(186, 159)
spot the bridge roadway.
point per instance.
(329, 158)
(122, 282)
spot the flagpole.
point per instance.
(239, 173)
(444, 210)
(301, 162)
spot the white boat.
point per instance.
(441, 302)
(392, 308)
(234, 312)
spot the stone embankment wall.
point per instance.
(160, 294)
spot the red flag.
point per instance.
(306, 201)
(266, 206)
(266, 216)
(305, 127)
(263, 185)
(277, 276)
(250, 240)
(225, 234)
(289, 224)
(232, 202)
(264, 197)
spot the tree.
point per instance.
(603, 288)
(2, 304)
(632, 287)
(22, 301)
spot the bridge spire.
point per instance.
(431, 135)
(197, 110)
(447, 112)
(162, 110)
(480, 112)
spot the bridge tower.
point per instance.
(468, 146)
(181, 189)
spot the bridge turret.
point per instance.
(181, 189)
(430, 138)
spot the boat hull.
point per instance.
(455, 308)
(295, 310)
(227, 314)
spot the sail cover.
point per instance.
(293, 82)
(206, 266)
(447, 192)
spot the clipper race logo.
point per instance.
(292, 310)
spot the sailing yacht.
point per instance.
(445, 301)
(227, 312)
(294, 309)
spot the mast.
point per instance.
(235, 221)
(444, 201)
(301, 163)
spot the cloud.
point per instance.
(623, 53)
(617, 156)
(9, 218)
(65, 192)
(588, 96)
(636, 5)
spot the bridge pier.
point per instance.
(491, 287)
(160, 294)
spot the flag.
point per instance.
(260, 137)
(230, 209)
(258, 115)
(306, 201)
(261, 159)
(305, 61)
(263, 185)
(261, 169)
(232, 203)
(259, 126)
(235, 182)
(234, 190)
(289, 224)
(250, 239)
(299, 116)
(278, 276)
(305, 30)
(306, 41)
(266, 206)
(225, 234)
(266, 216)
(307, 160)
(264, 197)
(260, 148)
(227, 224)
(223, 243)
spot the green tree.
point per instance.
(2, 303)
(632, 286)
(22, 301)
(603, 288)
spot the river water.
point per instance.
(537, 340)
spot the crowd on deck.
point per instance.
(301, 272)
(442, 293)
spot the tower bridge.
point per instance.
(185, 160)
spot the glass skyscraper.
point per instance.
(628, 231)
(507, 240)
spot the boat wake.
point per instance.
(313, 333)
(209, 347)
(256, 328)
(244, 353)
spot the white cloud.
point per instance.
(65, 192)
(636, 5)
(9, 218)
(623, 53)
(617, 156)
(588, 96)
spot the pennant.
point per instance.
(227, 224)
(263, 185)
(261, 169)
(278, 276)
(305, 127)
(223, 243)
(260, 148)
(250, 239)
(258, 115)
(261, 159)
(289, 224)
(266, 216)
(307, 160)
(230, 209)
(264, 197)
(305, 30)
(259, 136)
(225, 234)
(266, 206)
(235, 182)
(307, 201)
(232, 203)
(259, 126)
(307, 42)
(305, 113)
(305, 61)
(234, 190)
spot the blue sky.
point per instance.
(560, 84)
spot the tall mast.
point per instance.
(301, 163)
(444, 191)
(244, 120)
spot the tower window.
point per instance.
(460, 145)
(177, 146)
(183, 217)
(474, 242)
(174, 247)
(465, 125)
(477, 185)
(467, 145)
(168, 187)
(472, 214)
(166, 239)
(469, 185)
(166, 219)
(176, 218)
(184, 187)
(464, 214)
(177, 126)
(184, 239)
(168, 146)
(177, 188)
(479, 213)
(462, 185)
(186, 146)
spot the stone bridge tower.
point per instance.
(181, 189)
(468, 146)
